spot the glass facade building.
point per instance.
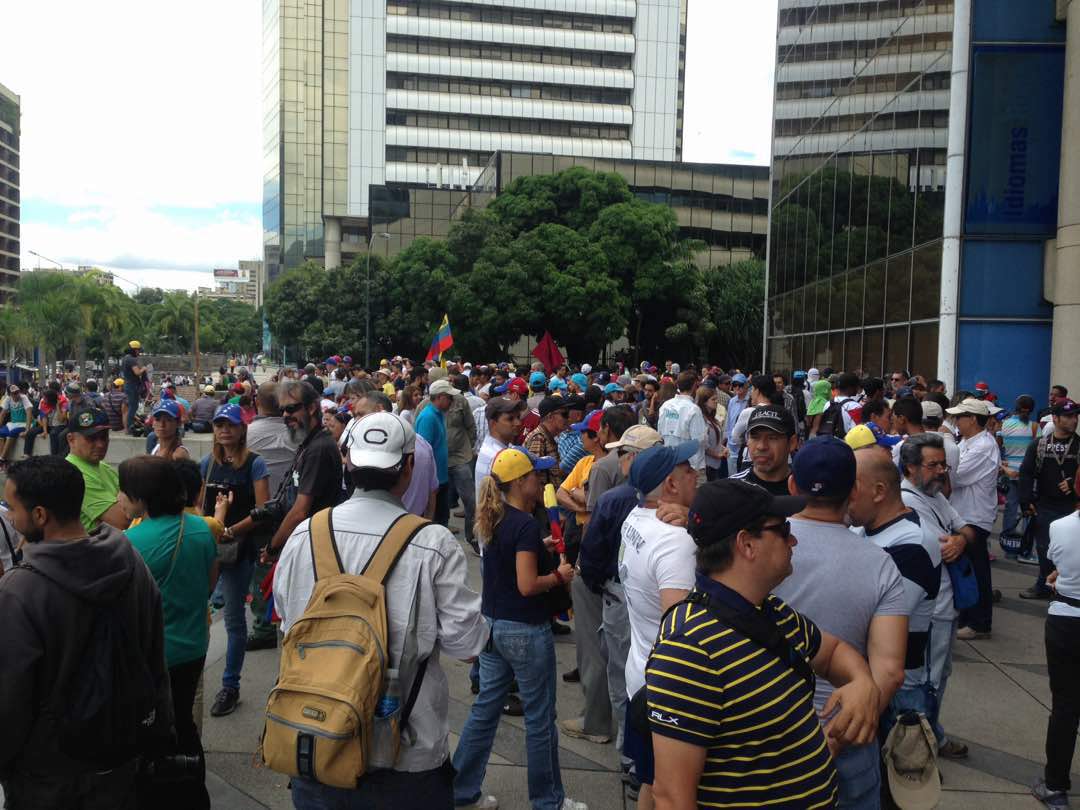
(861, 117)
(9, 193)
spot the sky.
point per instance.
(141, 147)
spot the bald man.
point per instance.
(878, 513)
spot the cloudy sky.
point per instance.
(141, 125)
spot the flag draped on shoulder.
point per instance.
(442, 342)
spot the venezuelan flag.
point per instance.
(442, 342)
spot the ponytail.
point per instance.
(489, 508)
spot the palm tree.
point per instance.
(174, 318)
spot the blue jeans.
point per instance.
(132, 393)
(859, 769)
(234, 581)
(400, 790)
(527, 652)
(1010, 523)
(462, 483)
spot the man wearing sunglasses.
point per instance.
(88, 442)
(849, 588)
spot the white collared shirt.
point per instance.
(974, 480)
(680, 420)
(430, 608)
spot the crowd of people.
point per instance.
(763, 573)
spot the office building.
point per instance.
(242, 283)
(9, 193)
(412, 94)
(859, 173)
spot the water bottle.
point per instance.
(391, 698)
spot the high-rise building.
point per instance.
(859, 173)
(242, 283)
(364, 99)
(9, 192)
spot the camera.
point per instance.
(176, 768)
(270, 512)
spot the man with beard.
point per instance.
(314, 482)
(925, 474)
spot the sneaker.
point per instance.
(575, 727)
(513, 707)
(573, 676)
(1028, 559)
(1049, 797)
(225, 702)
(483, 803)
(261, 643)
(1036, 593)
(951, 749)
(970, 634)
(561, 630)
(459, 513)
(995, 596)
(570, 804)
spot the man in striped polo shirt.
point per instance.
(732, 711)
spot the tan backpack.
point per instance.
(320, 717)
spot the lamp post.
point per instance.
(367, 299)
(46, 258)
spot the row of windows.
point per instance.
(525, 126)
(703, 201)
(728, 240)
(872, 351)
(9, 228)
(9, 191)
(937, 119)
(447, 157)
(476, 87)
(9, 139)
(509, 16)
(9, 156)
(9, 175)
(861, 11)
(9, 244)
(890, 83)
(8, 210)
(506, 53)
(9, 263)
(864, 48)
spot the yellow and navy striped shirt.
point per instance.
(712, 687)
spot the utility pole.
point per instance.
(196, 338)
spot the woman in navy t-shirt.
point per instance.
(518, 573)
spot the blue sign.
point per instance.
(1014, 148)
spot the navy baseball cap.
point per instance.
(652, 466)
(169, 407)
(825, 468)
(88, 420)
(230, 413)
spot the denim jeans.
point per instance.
(1010, 523)
(400, 790)
(260, 627)
(234, 581)
(616, 630)
(527, 652)
(132, 393)
(461, 482)
(859, 769)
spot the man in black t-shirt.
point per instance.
(314, 482)
(770, 441)
(134, 375)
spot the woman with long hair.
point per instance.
(166, 418)
(182, 557)
(243, 478)
(518, 573)
(408, 399)
(715, 417)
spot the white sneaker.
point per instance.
(483, 803)
(570, 804)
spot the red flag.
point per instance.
(548, 353)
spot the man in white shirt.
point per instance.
(974, 496)
(847, 396)
(430, 609)
(502, 415)
(681, 420)
(656, 569)
(944, 536)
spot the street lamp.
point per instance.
(367, 300)
(46, 258)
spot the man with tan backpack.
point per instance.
(369, 596)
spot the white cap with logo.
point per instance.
(380, 441)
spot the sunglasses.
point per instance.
(290, 409)
(782, 529)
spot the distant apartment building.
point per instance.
(9, 193)
(242, 283)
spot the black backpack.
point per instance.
(832, 421)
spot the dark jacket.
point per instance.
(43, 615)
(1042, 487)
(598, 559)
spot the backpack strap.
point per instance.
(325, 559)
(392, 545)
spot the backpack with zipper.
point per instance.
(320, 717)
(832, 421)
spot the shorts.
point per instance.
(638, 749)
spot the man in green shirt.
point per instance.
(88, 441)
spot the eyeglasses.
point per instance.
(782, 529)
(296, 406)
(937, 465)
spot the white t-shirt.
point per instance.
(1065, 552)
(485, 458)
(902, 539)
(937, 517)
(654, 556)
(680, 420)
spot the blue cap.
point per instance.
(590, 422)
(500, 389)
(169, 407)
(537, 378)
(540, 463)
(330, 361)
(799, 375)
(825, 468)
(580, 380)
(739, 379)
(883, 438)
(904, 392)
(557, 385)
(652, 466)
(611, 388)
(230, 413)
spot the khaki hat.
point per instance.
(637, 437)
(931, 410)
(910, 753)
(437, 373)
(976, 407)
(442, 387)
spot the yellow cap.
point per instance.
(384, 363)
(512, 463)
(860, 436)
(118, 382)
(134, 344)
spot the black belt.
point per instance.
(1068, 600)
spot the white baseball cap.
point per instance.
(975, 407)
(586, 368)
(442, 387)
(380, 441)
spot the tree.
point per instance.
(735, 297)
(174, 321)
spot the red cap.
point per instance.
(519, 386)
(981, 386)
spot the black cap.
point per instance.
(497, 406)
(1065, 408)
(88, 420)
(721, 508)
(778, 420)
(549, 405)
(574, 403)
